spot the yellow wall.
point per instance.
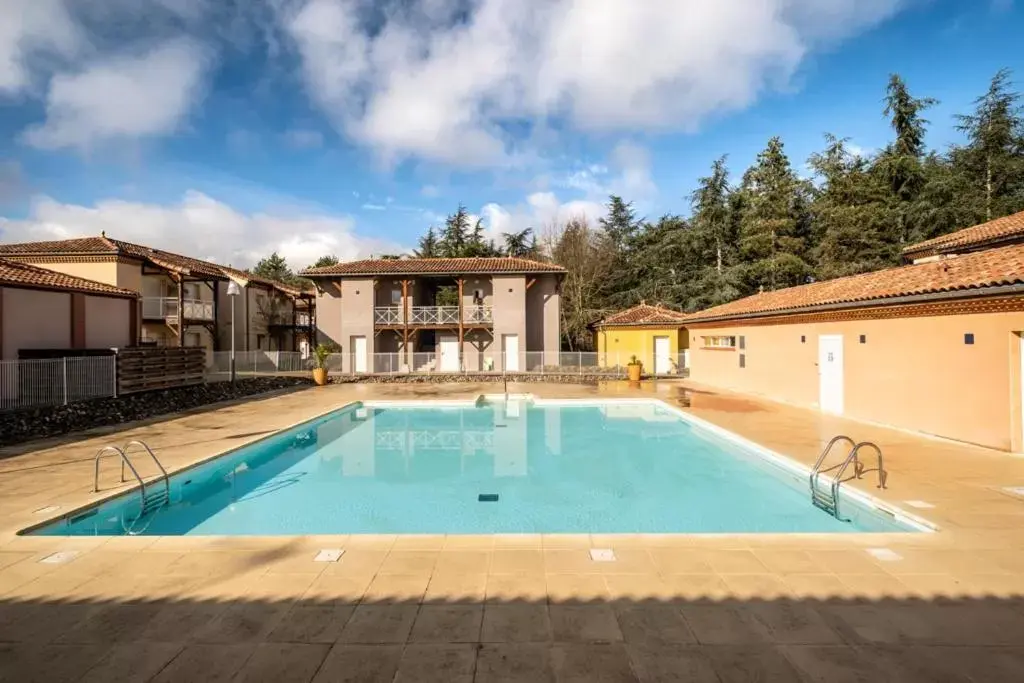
(615, 345)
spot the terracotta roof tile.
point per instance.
(642, 314)
(16, 274)
(429, 266)
(990, 268)
(104, 245)
(994, 231)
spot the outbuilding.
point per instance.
(934, 346)
(654, 334)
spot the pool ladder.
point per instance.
(151, 499)
(828, 498)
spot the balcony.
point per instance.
(166, 308)
(433, 316)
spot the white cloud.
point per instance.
(202, 227)
(541, 211)
(431, 82)
(29, 29)
(430, 191)
(374, 207)
(122, 97)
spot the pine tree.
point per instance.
(901, 162)
(274, 267)
(620, 229)
(456, 234)
(992, 161)
(520, 243)
(429, 246)
(849, 213)
(326, 260)
(773, 239)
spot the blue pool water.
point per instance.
(498, 467)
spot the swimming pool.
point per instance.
(514, 466)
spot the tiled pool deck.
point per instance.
(947, 606)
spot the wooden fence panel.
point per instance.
(148, 368)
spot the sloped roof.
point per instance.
(14, 274)
(435, 266)
(177, 263)
(991, 233)
(642, 314)
(975, 271)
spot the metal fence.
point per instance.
(56, 381)
(255, 363)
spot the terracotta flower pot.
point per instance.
(634, 371)
(320, 376)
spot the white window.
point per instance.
(396, 297)
(719, 342)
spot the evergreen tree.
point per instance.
(901, 162)
(712, 240)
(274, 267)
(992, 162)
(455, 237)
(849, 212)
(773, 239)
(521, 243)
(429, 246)
(326, 260)
(620, 230)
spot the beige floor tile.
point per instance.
(629, 560)
(357, 561)
(819, 586)
(791, 622)
(206, 663)
(242, 623)
(380, 624)
(337, 589)
(848, 562)
(447, 624)
(434, 542)
(759, 586)
(584, 623)
(576, 587)
(396, 588)
(570, 561)
(283, 663)
(516, 623)
(724, 623)
(514, 663)
(591, 663)
(133, 662)
(517, 561)
(311, 623)
(733, 561)
(680, 561)
(437, 664)
(654, 662)
(360, 664)
(565, 541)
(280, 587)
(464, 561)
(110, 623)
(838, 664)
(409, 562)
(653, 622)
(177, 621)
(695, 586)
(456, 588)
(522, 541)
(479, 542)
(789, 561)
(48, 663)
(638, 587)
(750, 663)
(517, 587)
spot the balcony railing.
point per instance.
(166, 308)
(433, 315)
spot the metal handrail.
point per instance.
(124, 460)
(858, 470)
(167, 481)
(821, 458)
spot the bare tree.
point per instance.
(577, 247)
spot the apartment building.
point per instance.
(184, 301)
(446, 314)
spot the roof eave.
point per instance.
(967, 293)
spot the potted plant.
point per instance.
(634, 368)
(320, 354)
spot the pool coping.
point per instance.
(789, 465)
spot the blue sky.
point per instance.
(227, 129)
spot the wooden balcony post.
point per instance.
(462, 331)
(216, 315)
(405, 320)
(181, 311)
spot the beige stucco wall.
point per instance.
(357, 297)
(328, 314)
(103, 271)
(129, 276)
(107, 322)
(35, 319)
(509, 314)
(913, 373)
(543, 317)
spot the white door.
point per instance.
(662, 356)
(359, 354)
(830, 373)
(510, 342)
(449, 347)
